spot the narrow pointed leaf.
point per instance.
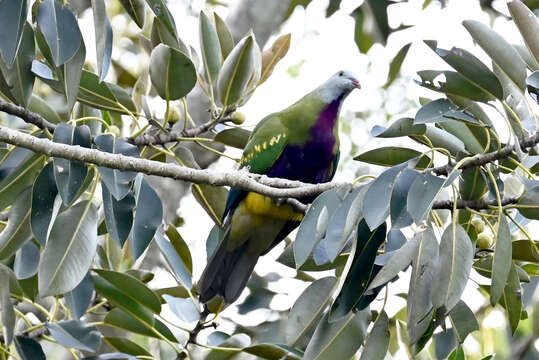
(60, 29)
(502, 261)
(148, 217)
(225, 36)
(273, 352)
(401, 127)
(8, 313)
(397, 208)
(103, 37)
(391, 156)
(118, 215)
(184, 309)
(167, 65)
(78, 299)
(512, 298)
(212, 56)
(273, 55)
(126, 346)
(70, 74)
(75, 334)
(69, 251)
(29, 349)
(463, 321)
(421, 196)
(377, 342)
(181, 271)
(235, 137)
(12, 17)
(441, 138)
(136, 10)
(161, 11)
(26, 261)
(43, 108)
(122, 320)
(17, 230)
(308, 308)
(396, 63)
(528, 25)
(452, 83)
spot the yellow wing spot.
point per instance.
(258, 204)
(264, 145)
(257, 148)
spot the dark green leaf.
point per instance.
(452, 83)
(160, 34)
(367, 32)
(457, 354)
(8, 314)
(225, 36)
(531, 269)
(123, 320)
(392, 155)
(463, 321)
(26, 261)
(70, 75)
(29, 349)
(332, 7)
(397, 208)
(421, 195)
(17, 230)
(70, 175)
(43, 108)
(308, 309)
(525, 250)
(339, 339)
(499, 50)
(161, 11)
(357, 278)
(377, 342)
(273, 352)
(287, 259)
(401, 127)
(181, 247)
(238, 341)
(69, 251)
(75, 334)
(396, 63)
(135, 9)
(471, 68)
(529, 201)
(167, 65)
(313, 226)
(60, 29)
(118, 215)
(175, 261)
(455, 262)
(126, 346)
(103, 37)
(399, 260)
(148, 217)
(501, 264)
(528, 26)
(211, 49)
(235, 137)
(439, 111)
(12, 17)
(78, 299)
(419, 303)
(441, 138)
(184, 309)
(512, 298)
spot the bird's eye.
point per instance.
(341, 73)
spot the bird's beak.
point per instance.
(356, 84)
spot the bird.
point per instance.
(300, 143)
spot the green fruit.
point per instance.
(115, 130)
(479, 225)
(174, 115)
(237, 118)
(484, 241)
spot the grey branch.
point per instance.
(472, 204)
(27, 115)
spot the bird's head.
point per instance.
(339, 85)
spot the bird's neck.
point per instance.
(327, 119)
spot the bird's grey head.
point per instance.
(339, 85)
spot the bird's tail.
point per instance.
(227, 272)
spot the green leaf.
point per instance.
(26, 261)
(184, 309)
(463, 321)
(392, 155)
(501, 264)
(70, 75)
(117, 181)
(531, 269)
(12, 17)
(133, 288)
(528, 202)
(398, 261)
(78, 299)
(526, 56)
(455, 262)
(17, 230)
(421, 195)
(377, 342)
(441, 138)
(167, 65)
(103, 37)
(136, 10)
(396, 63)
(339, 339)
(148, 217)
(287, 259)
(235, 137)
(528, 25)
(332, 8)
(161, 11)
(122, 320)
(70, 175)
(462, 130)
(237, 341)
(452, 83)
(439, 111)
(366, 32)
(419, 303)
(308, 309)
(8, 313)
(313, 226)
(470, 67)
(43, 108)
(499, 50)
(29, 349)
(236, 72)
(401, 127)
(160, 34)
(181, 247)
(378, 196)
(118, 215)
(525, 250)
(19, 77)
(398, 208)
(174, 260)
(126, 346)
(212, 56)
(75, 334)
(457, 354)
(273, 352)
(60, 30)
(273, 55)
(357, 278)
(226, 41)
(69, 251)
(17, 173)
(512, 298)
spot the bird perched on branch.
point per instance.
(301, 143)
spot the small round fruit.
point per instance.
(237, 118)
(484, 241)
(174, 115)
(479, 225)
(115, 130)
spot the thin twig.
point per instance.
(27, 115)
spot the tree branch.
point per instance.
(27, 115)
(472, 204)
